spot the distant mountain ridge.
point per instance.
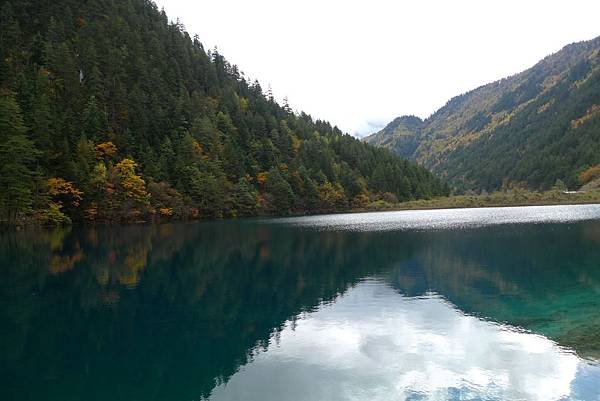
(399, 135)
(530, 129)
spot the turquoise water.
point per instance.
(485, 304)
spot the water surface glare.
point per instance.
(464, 304)
(446, 218)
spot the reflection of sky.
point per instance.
(374, 344)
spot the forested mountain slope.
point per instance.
(109, 112)
(530, 129)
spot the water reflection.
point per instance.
(159, 312)
(172, 312)
(373, 344)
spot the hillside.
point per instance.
(109, 112)
(531, 129)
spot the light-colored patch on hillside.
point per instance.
(592, 112)
(545, 106)
(551, 81)
(594, 59)
(584, 80)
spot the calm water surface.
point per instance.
(479, 304)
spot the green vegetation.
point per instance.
(515, 197)
(530, 129)
(108, 112)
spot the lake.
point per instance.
(466, 304)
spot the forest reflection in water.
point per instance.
(171, 311)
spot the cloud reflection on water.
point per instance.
(375, 344)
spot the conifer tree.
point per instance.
(17, 162)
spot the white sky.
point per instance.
(359, 64)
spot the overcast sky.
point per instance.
(359, 64)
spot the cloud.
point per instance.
(369, 127)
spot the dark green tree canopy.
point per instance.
(99, 83)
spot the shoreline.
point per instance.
(482, 206)
(496, 200)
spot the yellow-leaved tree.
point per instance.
(130, 189)
(62, 193)
(106, 150)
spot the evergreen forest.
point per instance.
(110, 112)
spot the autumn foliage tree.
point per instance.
(130, 190)
(64, 196)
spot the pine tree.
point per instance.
(246, 198)
(17, 162)
(281, 191)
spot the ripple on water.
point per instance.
(440, 219)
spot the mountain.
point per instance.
(109, 112)
(399, 135)
(530, 129)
